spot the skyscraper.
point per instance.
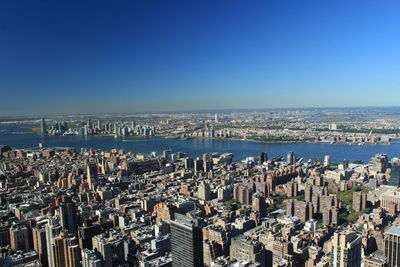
(66, 252)
(186, 241)
(263, 157)
(291, 157)
(43, 130)
(327, 160)
(345, 164)
(392, 245)
(92, 176)
(346, 249)
(39, 243)
(68, 215)
(394, 176)
(53, 229)
(216, 117)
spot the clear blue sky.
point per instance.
(138, 56)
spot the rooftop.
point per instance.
(394, 230)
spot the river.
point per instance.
(196, 147)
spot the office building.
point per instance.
(43, 130)
(186, 241)
(391, 243)
(394, 179)
(68, 215)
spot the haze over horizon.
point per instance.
(109, 57)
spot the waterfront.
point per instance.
(195, 147)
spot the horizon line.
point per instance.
(211, 110)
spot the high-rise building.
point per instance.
(359, 201)
(244, 248)
(92, 176)
(345, 164)
(392, 245)
(308, 192)
(292, 189)
(330, 216)
(90, 258)
(327, 160)
(346, 249)
(291, 158)
(103, 247)
(66, 252)
(68, 215)
(53, 229)
(19, 237)
(87, 232)
(207, 165)
(189, 163)
(394, 176)
(186, 241)
(303, 210)
(263, 157)
(216, 117)
(204, 192)
(198, 165)
(259, 204)
(43, 130)
(39, 244)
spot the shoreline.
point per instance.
(34, 131)
(280, 142)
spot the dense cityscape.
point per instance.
(213, 133)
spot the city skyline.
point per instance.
(102, 57)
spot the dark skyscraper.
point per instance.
(186, 241)
(68, 214)
(263, 157)
(394, 176)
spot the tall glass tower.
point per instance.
(43, 130)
